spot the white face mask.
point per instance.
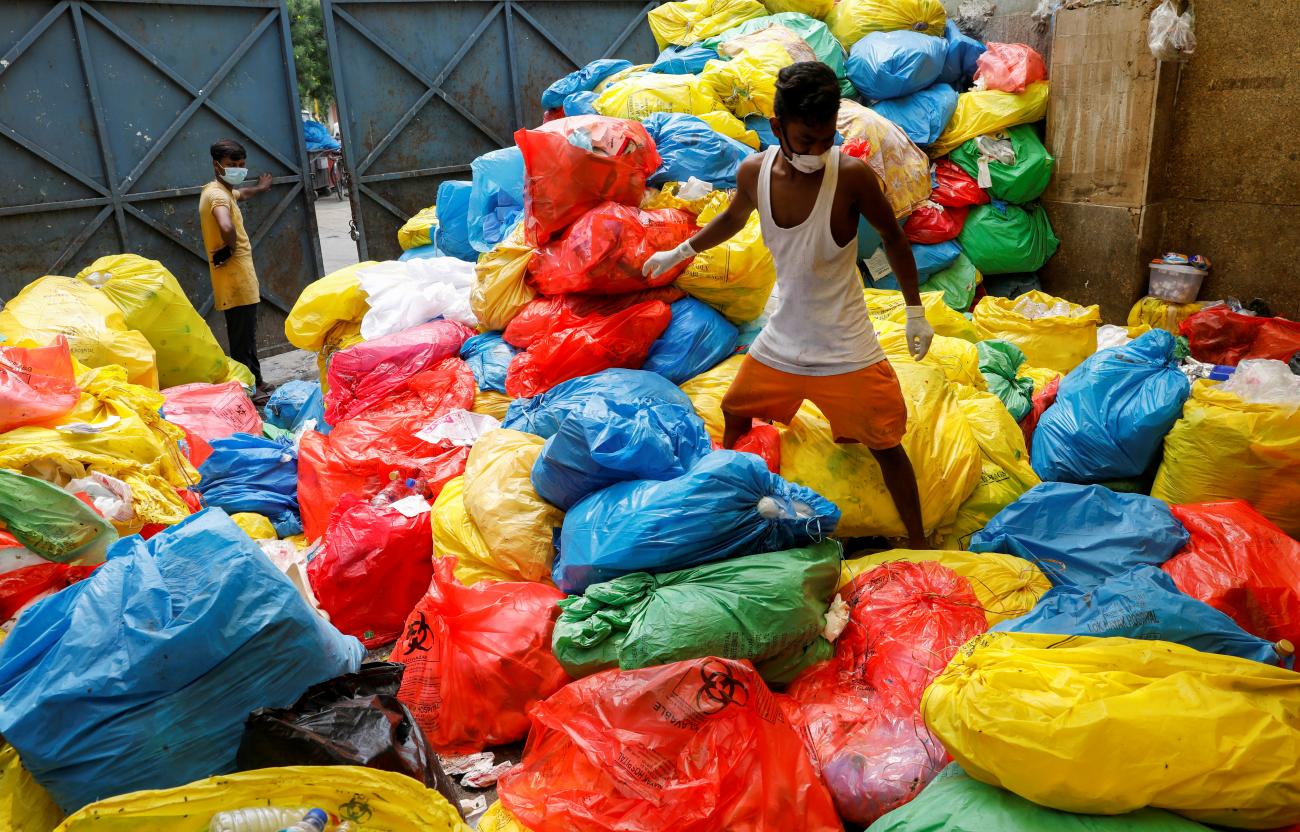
(805, 163)
(234, 176)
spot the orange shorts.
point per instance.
(863, 406)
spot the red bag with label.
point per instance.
(603, 252)
(574, 164)
(376, 565)
(954, 187)
(1220, 336)
(547, 315)
(477, 658)
(693, 746)
(929, 225)
(37, 384)
(1010, 67)
(1042, 400)
(1242, 565)
(212, 411)
(764, 441)
(30, 583)
(619, 340)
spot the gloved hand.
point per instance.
(664, 261)
(919, 332)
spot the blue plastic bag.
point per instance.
(930, 259)
(689, 147)
(582, 80)
(762, 127)
(452, 235)
(496, 197)
(961, 58)
(894, 64)
(293, 403)
(422, 252)
(923, 115)
(581, 104)
(608, 442)
(541, 415)
(726, 506)
(318, 138)
(697, 338)
(488, 357)
(683, 60)
(1141, 603)
(1112, 413)
(1080, 535)
(141, 676)
(747, 332)
(250, 473)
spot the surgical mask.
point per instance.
(804, 162)
(234, 176)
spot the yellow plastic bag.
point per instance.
(690, 21)
(25, 806)
(956, 358)
(153, 302)
(455, 535)
(418, 230)
(746, 84)
(851, 20)
(491, 403)
(1161, 314)
(1225, 448)
(901, 165)
(335, 299)
(940, 444)
(980, 112)
(727, 124)
(238, 372)
(497, 819)
(889, 305)
(256, 526)
(706, 391)
(1056, 342)
(788, 39)
(373, 800)
(516, 523)
(1006, 586)
(1041, 376)
(343, 335)
(813, 8)
(1110, 725)
(652, 92)
(96, 330)
(499, 289)
(737, 277)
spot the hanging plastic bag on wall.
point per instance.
(1170, 34)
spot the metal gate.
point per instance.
(425, 86)
(107, 110)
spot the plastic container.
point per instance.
(256, 819)
(314, 821)
(1176, 284)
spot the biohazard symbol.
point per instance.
(419, 635)
(356, 810)
(719, 688)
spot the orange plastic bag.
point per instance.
(212, 411)
(546, 316)
(477, 658)
(1010, 67)
(602, 252)
(693, 746)
(37, 384)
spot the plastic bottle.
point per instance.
(346, 826)
(391, 493)
(255, 819)
(313, 821)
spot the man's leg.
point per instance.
(758, 392)
(241, 332)
(900, 479)
(736, 427)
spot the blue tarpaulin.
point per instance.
(318, 137)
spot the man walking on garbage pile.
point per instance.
(819, 345)
(234, 280)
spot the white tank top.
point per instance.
(820, 326)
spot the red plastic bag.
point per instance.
(1242, 565)
(31, 583)
(1010, 67)
(212, 411)
(365, 374)
(547, 315)
(1043, 399)
(928, 225)
(566, 180)
(376, 565)
(619, 340)
(693, 746)
(37, 384)
(1220, 336)
(477, 658)
(954, 187)
(764, 441)
(603, 252)
(14, 555)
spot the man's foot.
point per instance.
(262, 394)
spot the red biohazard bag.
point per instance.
(954, 187)
(693, 746)
(603, 252)
(21, 587)
(1010, 67)
(37, 384)
(376, 565)
(477, 658)
(574, 164)
(1042, 400)
(764, 441)
(619, 340)
(371, 372)
(212, 411)
(547, 315)
(1220, 336)
(1242, 565)
(928, 225)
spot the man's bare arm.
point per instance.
(226, 223)
(263, 185)
(731, 221)
(871, 201)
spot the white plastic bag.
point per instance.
(406, 294)
(1264, 381)
(1170, 34)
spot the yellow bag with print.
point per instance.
(96, 330)
(336, 298)
(889, 305)
(1161, 314)
(1054, 341)
(497, 819)
(491, 403)
(373, 800)
(956, 358)
(901, 165)
(852, 20)
(746, 84)
(499, 289)
(735, 278)
(516, 524)
(1006, 586)
(940, 444)
(153, 302)
(1110, 725)
(706, 391)
(25, 806)
(256, 526)
(687, 22)
(1226, 448)
(727, 124)
(455, 535)
(418, 230)
(980, 112)
(652, 92)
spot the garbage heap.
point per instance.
(509, 476)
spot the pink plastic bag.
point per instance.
(1010, 67)
(212, 411)
(37, 384)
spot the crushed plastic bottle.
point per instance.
(314, 821)
(397, 489)
(255, 819)
(1033, 310)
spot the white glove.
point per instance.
(919, 332)
(664, 261)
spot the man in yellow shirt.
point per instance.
(234, 280)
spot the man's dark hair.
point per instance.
(808, 92)
(228, 149)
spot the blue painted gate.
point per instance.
(425, 86)
(107, 110)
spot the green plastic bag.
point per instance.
(814, 33)
(1022, 182)
(956, 802)
(768, 608)
(51, 522)
(957, 282)
(999, 362)
(1004, 238)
